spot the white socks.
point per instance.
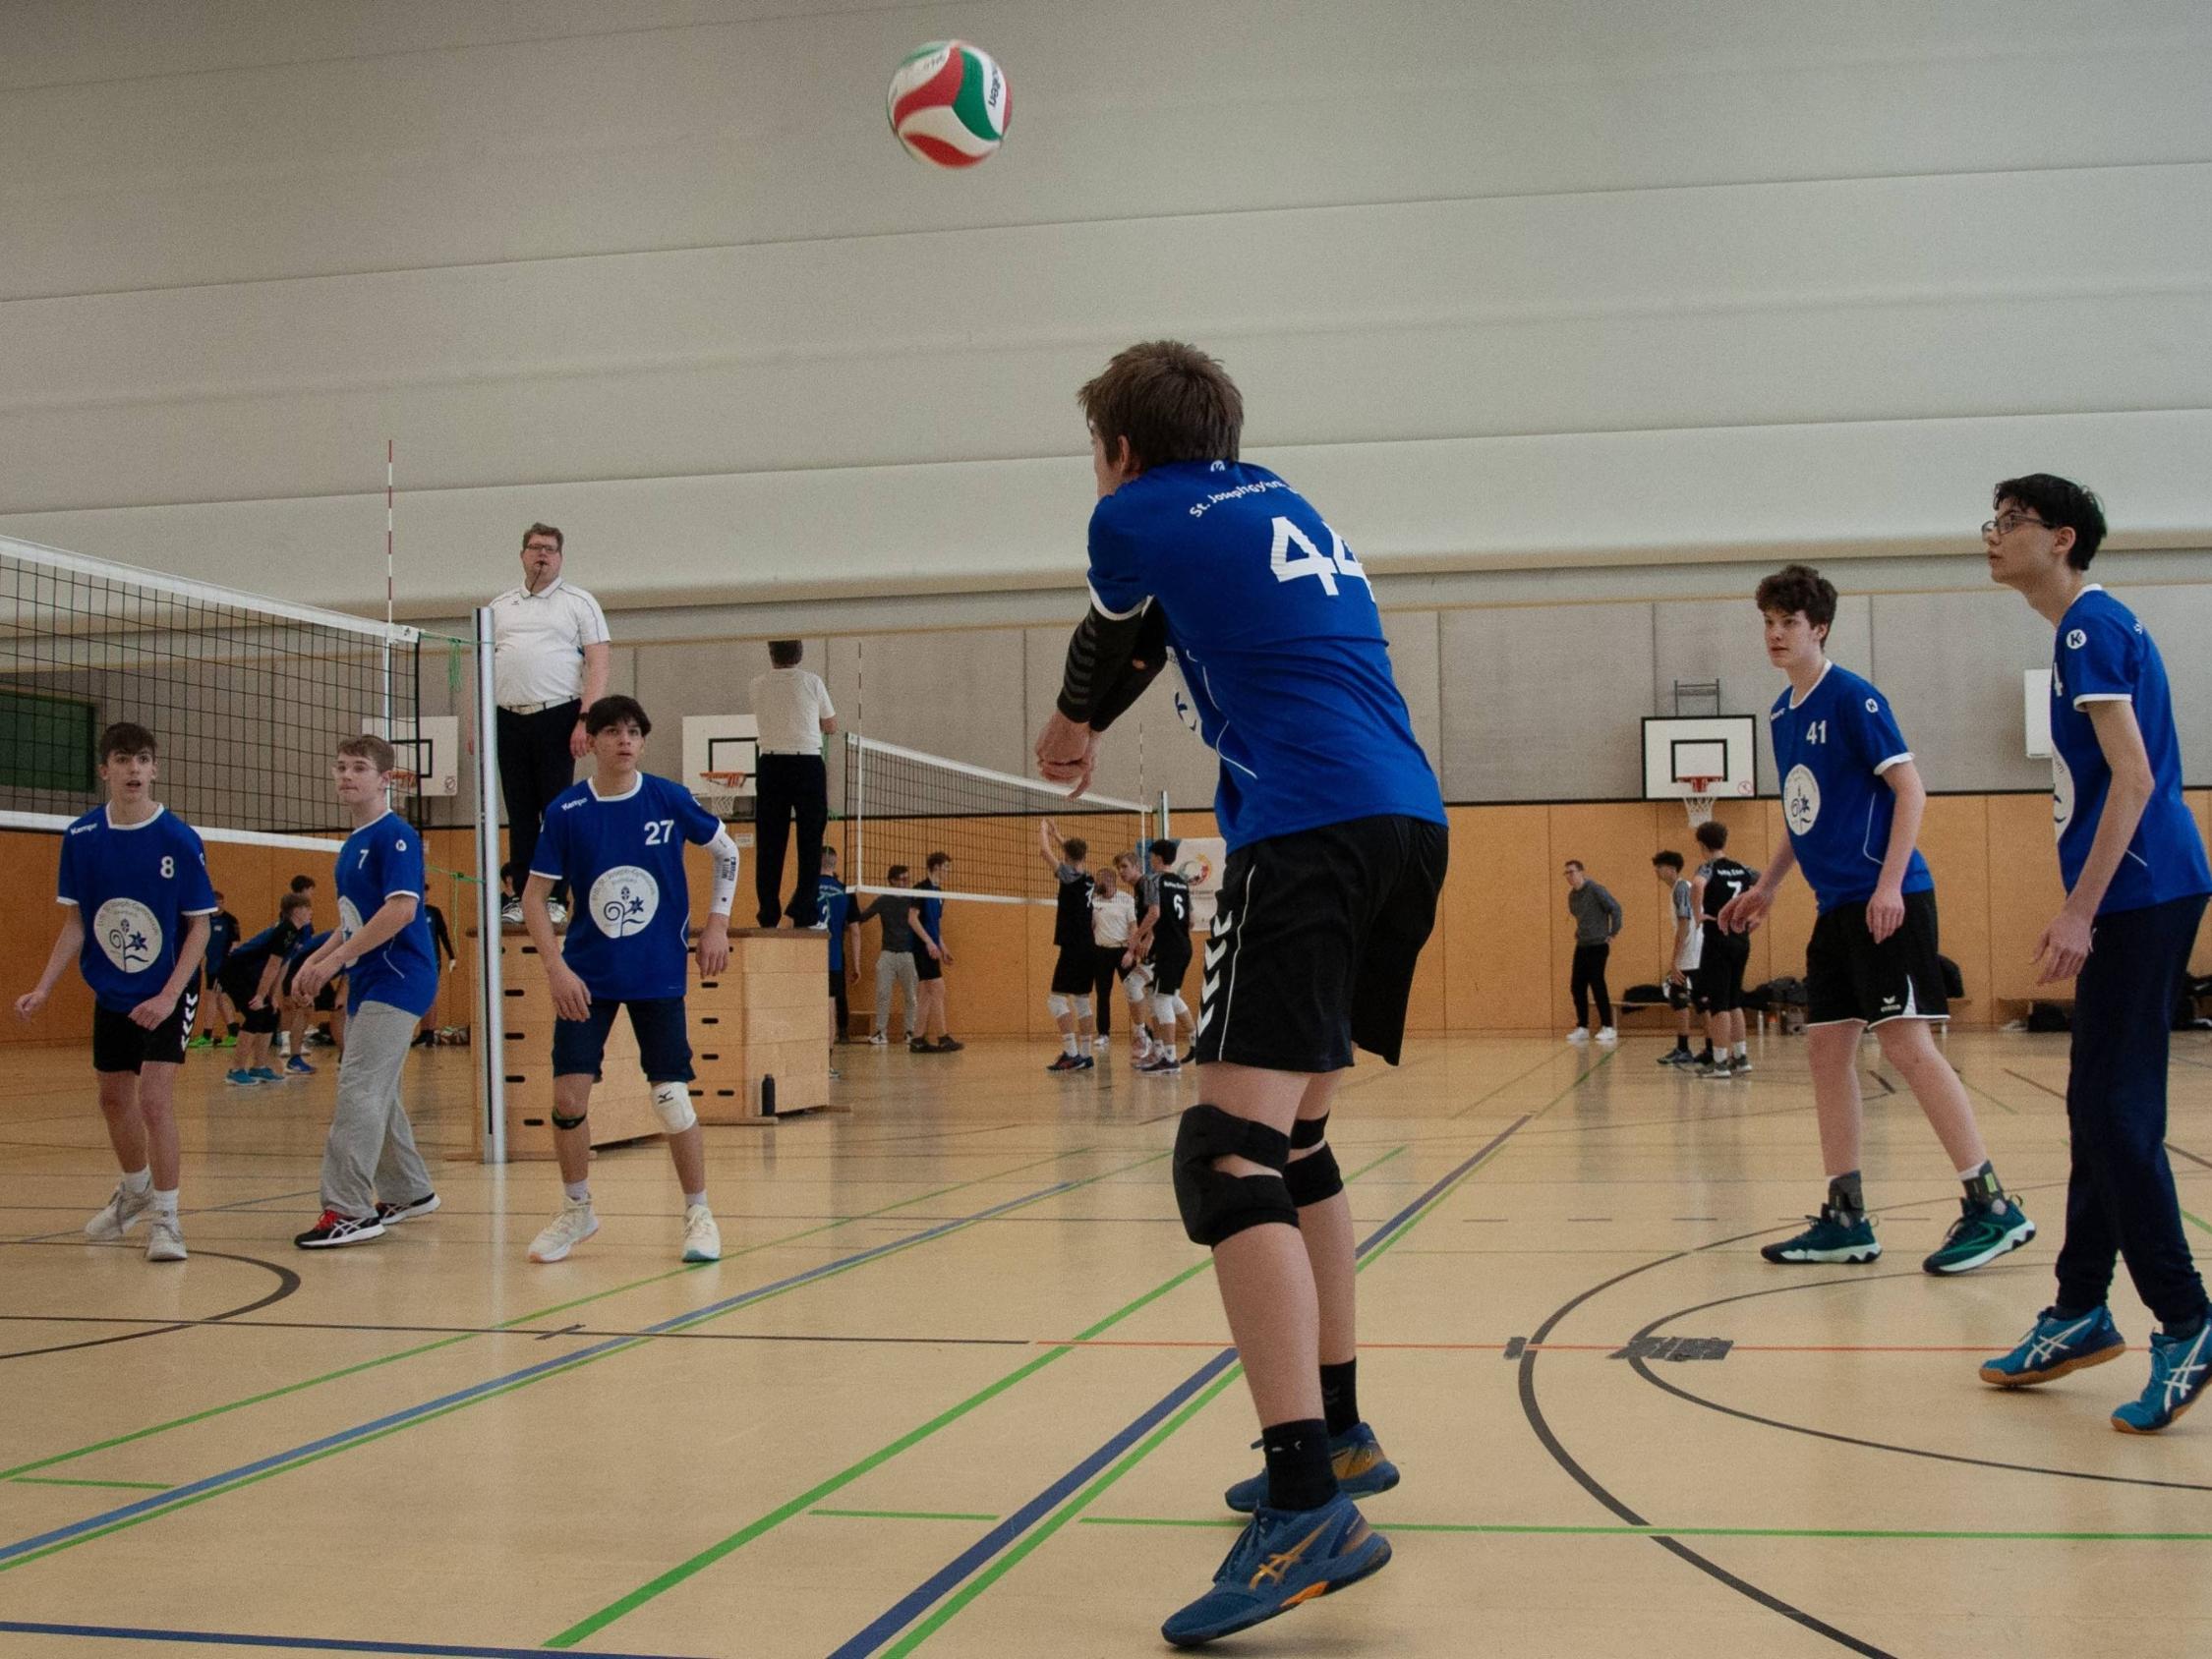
(694, 1198)
(577, 1192)
(138, 1181)
(165, 1203)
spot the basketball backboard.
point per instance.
(721, 743)
(428, 747)
(1720, 750)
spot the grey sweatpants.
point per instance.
(894, 968)
(371, 1145)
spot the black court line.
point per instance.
(231, 1322)
(239, 1204)
(2055, 1094)
(287, 1281)
(1656, 1381)
(1887, 1087)
(2184, 1152)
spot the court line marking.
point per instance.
(1535, 1530)
(120, 1485)
(2055, 1094)
(624, 1605)
(287, 1281)
(941, 1597)
(2202, 1163)
(322, 1645)
(199, 1210)
(519, 1319)
(60, 1538)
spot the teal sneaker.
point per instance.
(1831, 1238)
(1362, 1470)
(2056, 1346)
(2180, 1368)
(266, 1074)
(1980, 1235)
(242, 1079)
(1282, 1557)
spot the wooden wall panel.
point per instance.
(1495, 922)
(2025, 892)
(1954, 840)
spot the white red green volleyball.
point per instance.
(948, 104)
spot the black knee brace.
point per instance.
(575, 1122)
(1313, 1177)
(1310, 1131)
(1217, 1206)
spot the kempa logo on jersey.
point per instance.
(1801, 798)
(2076, 639)
(129, 934)
(624, 901)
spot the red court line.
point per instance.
(1558, 1347)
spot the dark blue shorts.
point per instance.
(663, 1044)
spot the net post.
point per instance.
(859, 814)
(490, 1004)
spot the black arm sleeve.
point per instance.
(1110, 663)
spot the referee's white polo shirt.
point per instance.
(789, 706)
(538, 645)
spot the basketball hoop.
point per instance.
(718, 791)
(405, 782)
(1696, 800)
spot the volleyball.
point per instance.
(948, 104)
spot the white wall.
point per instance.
(1573, 286)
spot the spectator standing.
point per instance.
(895, 962)
(791, 711)
(1598, 919)
(550, 656)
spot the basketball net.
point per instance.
(1698, 802)
(718, 792)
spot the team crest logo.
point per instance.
(128, 933)
(1873, 707)
(624, 901)
(1801, 799)
(2076, 639)
(2061, 794)
(349, 917)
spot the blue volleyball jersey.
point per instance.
(1832, 750)
(832, 901)
(222, 936)
(932, 911)
(2104, 655)
(622, 857)
(380, 861)
(135, 887)
(248, 961)
(1278, 641)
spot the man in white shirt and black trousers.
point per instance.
(791, 711)
(550, 657)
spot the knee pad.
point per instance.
(672, 1101)
(575, 1122)
(1313, 1177)
(1133, 988)
(1163, 1009)
(1082, 1007)
(1310, 1131)
(1217, 1206)
(1057, 1005)
(1182, 1008)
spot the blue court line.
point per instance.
(325, 1645)
(362, 1431)
(932, 1589)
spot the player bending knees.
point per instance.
(617, 840)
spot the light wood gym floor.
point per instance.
(958, 1385)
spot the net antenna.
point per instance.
(902, 805)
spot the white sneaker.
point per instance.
(1608, 1037)
(510, 913)
(878, 1039)
(564, 1232)
(164, 1241)
(702, 1239)
(124, 1210)
(558, 911)
(1578, 1036)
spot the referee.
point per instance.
(549, 660)
(791, 711)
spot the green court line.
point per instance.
(119, 1486)
(898, 1515)
(521, 1319)
(2199, 1220)
(582, 1360)
(950, 1608)
(807, 1499)
(1617, 1531)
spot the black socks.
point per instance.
(1682, 1044)
(1984, 1188)
(1299, 1475)
(1846, 1196)
(1340, 1396)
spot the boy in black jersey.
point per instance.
(1167, 925)
(1072, 973)
(1718, 983)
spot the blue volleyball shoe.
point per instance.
(1281, 1559)
(2180, 1366)
(2055, 1347)
(1362, 1470)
